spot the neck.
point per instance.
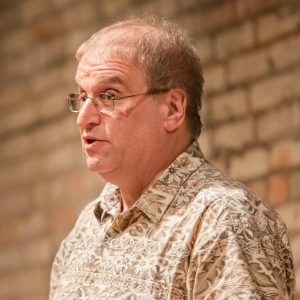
(134, 185)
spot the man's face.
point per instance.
(121, 140)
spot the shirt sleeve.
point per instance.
(75, 235)
(56, 270)
(241, 256)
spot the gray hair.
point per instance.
(165, 53)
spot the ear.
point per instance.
(176, 102)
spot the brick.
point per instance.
(30, 226)
(80, 14)
(73, 40)
(19, 174)
(16, 147)
(21, 256)
(61, 159)
(295, 244)
(62, 4)
(46, 28)
(248, 66)
(45, 81)
(46, 137)
(294, 181)
(211, 19)
(61, 219)
(253, 7)
(290, 213)
(21, 199)
(273, 90)
(14, 42)
(168, 9)
(205, 112)
(220, 163)
(234, 135)
(285, 153)
(230, 105)
(9, 18)
(48, 53)
(214, 78)
(192, 4)
(32, 10)
(74, 188)
(259, 187)
(44, 180)
(22, 228)
(23, 282)
(278, 123)
(204, 48)
(14, 68)
(12, 94)
(279, 23)
(297, 285)
(278, 189)
(252, 164)
(17, 119)
(205, 142)
(111, 8)
(234, 40)
(53, 104)
(286, 52)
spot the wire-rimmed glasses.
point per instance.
(103, 102)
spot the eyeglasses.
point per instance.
(103, 102)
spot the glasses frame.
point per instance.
(110, 97)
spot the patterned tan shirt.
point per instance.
(194, 234)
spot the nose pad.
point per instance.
(88, 114)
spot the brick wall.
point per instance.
(250, 50)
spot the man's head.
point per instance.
(142, 134)
(164, 52)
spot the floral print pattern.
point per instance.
(194, 234)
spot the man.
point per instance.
(168, 225)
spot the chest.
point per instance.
(142, 258)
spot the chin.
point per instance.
(98, 166)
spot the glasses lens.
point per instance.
(73, 102)
(104, 103)
(101, 103)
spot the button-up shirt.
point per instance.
(194, 234)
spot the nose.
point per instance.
(88, 115)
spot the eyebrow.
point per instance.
(113, 79)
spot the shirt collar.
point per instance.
(155, 200)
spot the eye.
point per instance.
(82, 97)
(108, 96)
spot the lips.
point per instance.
(91, 142)
(89, 139)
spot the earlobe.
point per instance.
(176, 103)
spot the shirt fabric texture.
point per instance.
(194, 234)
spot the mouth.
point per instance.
(89, 141)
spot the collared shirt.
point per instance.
(194, 234)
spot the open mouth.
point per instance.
(90, 141)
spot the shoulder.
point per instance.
(228, 204)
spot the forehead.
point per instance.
(109, 68)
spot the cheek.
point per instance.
(131, 125)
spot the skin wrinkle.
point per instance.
(88, 68)
(124, 130)
(156, 249)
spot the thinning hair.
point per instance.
(164, 52)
